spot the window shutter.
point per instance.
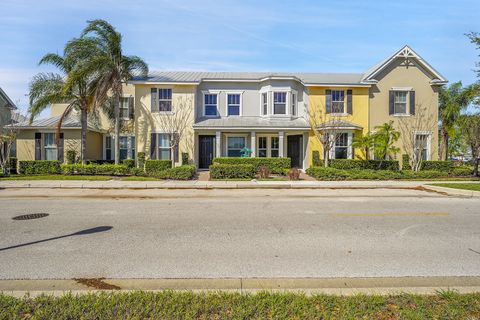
(153, 100)
(131, 109)
(391, 109)
(176, 148)
(38, 146)
(60, 154)
(349, 102)
(412, 102)
(328, 102)
(153, 146)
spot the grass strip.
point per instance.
(55, 177)
(464, 186)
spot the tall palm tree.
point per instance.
(385, 137)
(452, 101)
(50, 88)
(109, 68)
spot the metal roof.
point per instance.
(70, 122)
(251, 123)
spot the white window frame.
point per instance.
(263, 103)
(167, 100)
(429, 142)
(287, 104)
(122, 99)
(131, 154)
(217, 93)
(395, 103)
(53, 147)
(349, 144)
(234, 135)
(157, 146)
(338, 101)
(294, 103)
(407, 106)
(240, 105)
(269, 147)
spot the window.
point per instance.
(165, 100)
(279, 103)
(274, 147)
(341, 146)
(294, 104)
(124, 108)
(164, 148)
(210, 104)
(264, 103)
(108, 148)
(262, 147)
(422, 146)
(127, 147)
(233, 104)
(234, 146)
(400, 102)
(50, 146)
(338, 101)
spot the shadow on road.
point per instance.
(79, 233)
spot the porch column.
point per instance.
(253, 143)
(280, 144)
(349, 149)
(218, 144)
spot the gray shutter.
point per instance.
(131, 109)
(391, 99)
(153, 146)
(412, 102)
(38, 146)
(176, 148)
(153, 100)
(60, 152)
(328, 102)
(349, 102)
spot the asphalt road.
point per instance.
(237, 233)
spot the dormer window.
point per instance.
(279, 103)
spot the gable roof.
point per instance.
(407, 53)
(7, 99)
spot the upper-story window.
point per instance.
(233, 104)
(400, 102)
(338, 101)
(293, 111)
(264, 103)
(126, 108)
(279, 103)
(210, 104)
(161, 100)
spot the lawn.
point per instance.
(222, 305)
(139, 178)
(54, 177)
(464, 186)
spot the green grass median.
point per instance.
(55, 177)
(263, 305)
(464, 186)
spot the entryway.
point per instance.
(294, 150)
(206, 146)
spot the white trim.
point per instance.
(163, 83)
(268, 149)
(401, 88)
(429, 142)
(217, 93)
(240, 111)
(234, 135)
(259, 128)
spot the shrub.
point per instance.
(12, 164)
(232, 171)
(95, 169)
(316, 158)
(39, 167)
(100, 161)
(462, 171)
(185, 159)
(406, 162)
(350, 164)
(264, 172)
(136, 171)
(129, 163)
(141, 160)
(185, 172)
(71, 156)
(446, 166)
(294, 174)
(152, 167)
(276, 165)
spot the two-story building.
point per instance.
(269, 112)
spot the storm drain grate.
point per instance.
(31, 216)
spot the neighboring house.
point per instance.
(269, 112)
(6, 108)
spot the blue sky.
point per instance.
(248, 35)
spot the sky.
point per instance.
(247, 35)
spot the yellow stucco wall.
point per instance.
(359, 116)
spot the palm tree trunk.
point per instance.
(445, 144)
(475, 156)
(83, 147)
(117, 129)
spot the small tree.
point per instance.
(8, 136)
(364, 143)
(384, 138)
(470, 130)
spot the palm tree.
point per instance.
(50, 88)
(365, 143)
(109, 68)
(385, 138)
(452, 101)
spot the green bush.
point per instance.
(39, 167)
(275, 165)
(232, 171)
(462, 171)
(95, 169)
(152, 167)
(71, 156)
(185, 159)
(136, 171)
(351, 164)
(316, 158)
(12, 164)
(185, 172)
(141, 160)
(446, 166)
(129, 163)
(406, 162)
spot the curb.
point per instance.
(455, 192)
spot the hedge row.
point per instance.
(446, 166)
(185, 172)
(275, 165)
(232, 171)
(154, 167)
(39, 167)
(95, 169)
(322, 173)
(351, 164)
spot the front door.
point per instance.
(294, 150)
(206, 150)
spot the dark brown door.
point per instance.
(206, 150)
(294, 150)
